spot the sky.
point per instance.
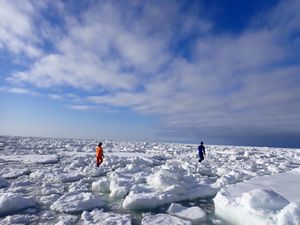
(222, 72)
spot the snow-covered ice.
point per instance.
(194, 214)
(171, 183)
(74, 202)
(164, 219)
(262, 200)
(31, 158)
(3, 183)
(11, 202)
(105, 218)
(56, 181)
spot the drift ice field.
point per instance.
(56, 181)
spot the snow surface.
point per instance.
(56, 181)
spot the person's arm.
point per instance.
(203, 150)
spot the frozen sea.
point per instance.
(55, 181)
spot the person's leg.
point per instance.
(97, 161)
(201, 157)
(100, 160)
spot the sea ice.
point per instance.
(3, 183)
(11, 202)
(105, 218)
(263, 200)
(60, 176)
(69, 177)
(170, 184)
(66, 219)
(164, 219)
(48, 200)
(119, 185)
(32, 158)
(49, 188)
(13, 173)
(80, 186)
(194, 214)
(101, 185)
(290, 215)
(18, 219)
(74, 202)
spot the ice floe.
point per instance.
(164, 219)
(105, 218)
(75, 202)
(194, 214)
(12, 202)
(272, 199)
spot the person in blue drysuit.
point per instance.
(201, 151)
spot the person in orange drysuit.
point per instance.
(99, 154)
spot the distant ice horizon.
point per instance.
(97, 140)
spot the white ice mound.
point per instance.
(194, 214)
(105, 218)
(262, 200)
(169, 184)
(164, 219)
(257, 206)
(74, 202)
(119, 185)
(101, 185)
(170, 175)
(11, 202)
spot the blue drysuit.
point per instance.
(201, 152)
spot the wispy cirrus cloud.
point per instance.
(233, 84)
(17, 90)
(81, 107)
(17, 29)
(103, 50)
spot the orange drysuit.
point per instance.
(99, 155)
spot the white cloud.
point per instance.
(68, 97)
(81, 107)
(109, 47)
(17, 90)
(232, 83)
(55, 97)
(18, 33)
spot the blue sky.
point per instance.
(222, 72)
